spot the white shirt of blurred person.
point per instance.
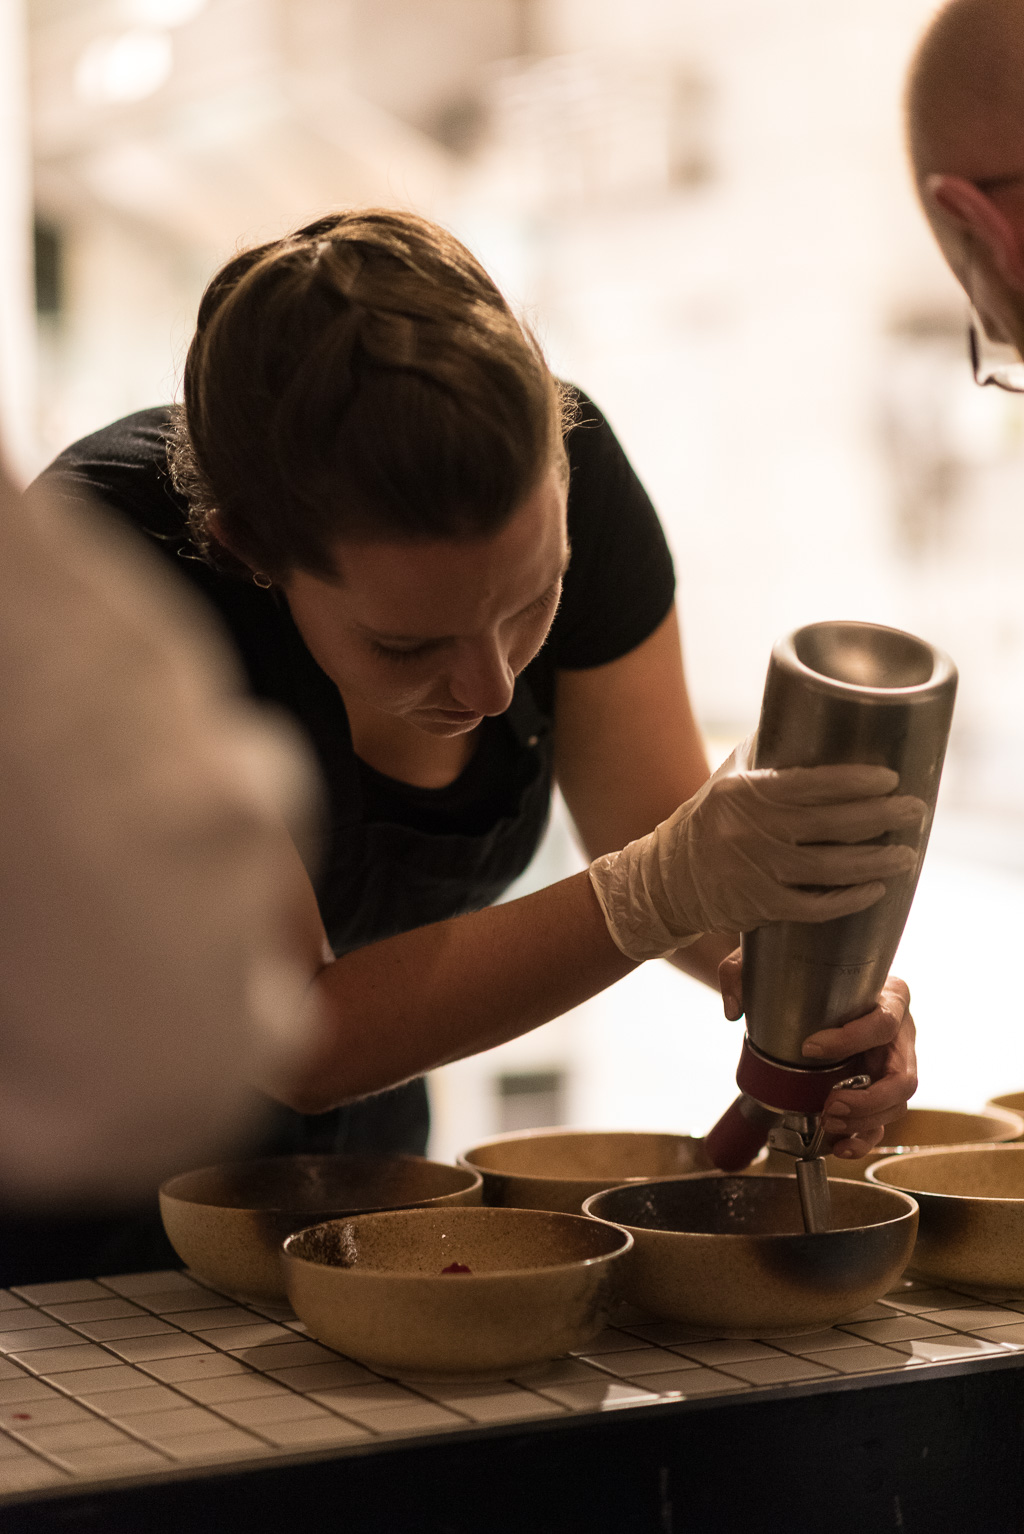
(965, 129)
(149, 965)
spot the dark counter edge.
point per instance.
(938, 1449)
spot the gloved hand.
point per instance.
(733, 857)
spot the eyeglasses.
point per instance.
(993, 362)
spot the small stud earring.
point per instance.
(262, 581)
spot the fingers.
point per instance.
(858, 1118)
(885, 1101)
(804, 905)
(822, 785)
(841, 865)
(854, 1112)
(884, 1038)
(882, 1026)
(854, 1146)
(730, 979)
(859, 820)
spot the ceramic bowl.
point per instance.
(559, 1168)
(918, 1129)
(1010, 1102)
(730, 1254)
(375, 1286)
(972, 1212)
(227, 1222)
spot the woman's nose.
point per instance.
(483, 680)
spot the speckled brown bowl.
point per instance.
(920, 1129)
(730, 1253)
(1010, 1102)
(374, 1286)
(559, 1168)
(227, 1222)
(972, 1212)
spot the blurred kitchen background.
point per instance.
(702, 207)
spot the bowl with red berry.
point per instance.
(455, 1290)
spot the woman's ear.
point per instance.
(958, 202)
(216, 534)
(215, 529)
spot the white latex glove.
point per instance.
(733, 857)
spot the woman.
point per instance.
(438, 561)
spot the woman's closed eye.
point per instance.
(552, 595)
(412, 652)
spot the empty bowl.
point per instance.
(227, 1222)
(972, 1212)
(918, 1129)
(730, 1254)
(454, 1291)
(559, 1168)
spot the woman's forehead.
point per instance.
(444, 587)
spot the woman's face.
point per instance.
(436, 632)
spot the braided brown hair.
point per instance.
(361, 378)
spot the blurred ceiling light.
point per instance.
(161, 13)
(127, 67)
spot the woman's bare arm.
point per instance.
(397, 1008)
(628, 752)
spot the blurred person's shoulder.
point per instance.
(150, 971)
(103, 651)
(121, 475)
(122, 615)
(123, 467)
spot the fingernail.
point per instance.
(838, 1106)
(813, 1049)
(846, 1155)
(834, 1126)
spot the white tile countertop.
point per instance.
(145, 1374)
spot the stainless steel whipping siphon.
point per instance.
(835, 693)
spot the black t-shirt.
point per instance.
(618, 588)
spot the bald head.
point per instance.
(965, 94)
(965, 127)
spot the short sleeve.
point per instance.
(123, 467)
(620, 583)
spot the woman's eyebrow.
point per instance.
(389, 638)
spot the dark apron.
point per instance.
(378, 881)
